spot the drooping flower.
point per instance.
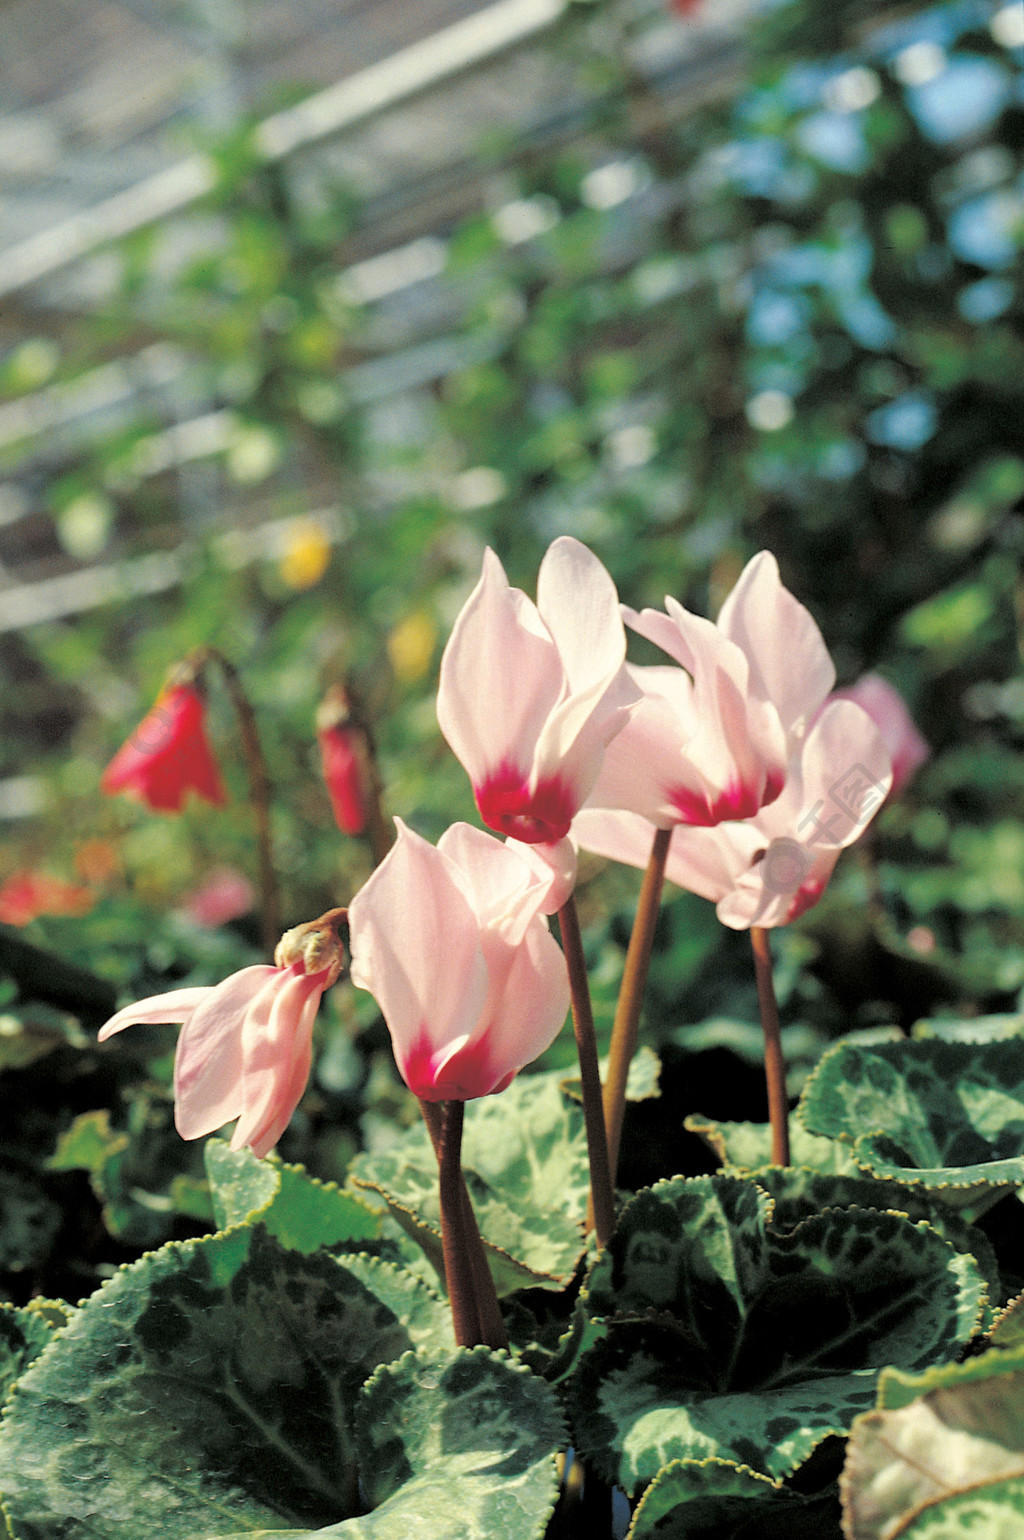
(769, 869)
(452, 943)
(245, 1047)
(168, 754)
(884, 704)
(714, 732)
(344, 761)
(530, 695)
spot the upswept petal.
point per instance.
(579, 605)
(500, 677)
(503, 889)
(409, 918)
(845, 775)
(789, 662)
(174, 1007)
(555, 866)
(574, 739)
(646, 758)
(209, 1059)
(526, 1012)
(705, 861)
(886, 707)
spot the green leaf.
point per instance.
(641, 1081)
(525, 1159)
(948, 1117)
(459, 1446)
(799, 1193)
(717, 1499)
(299, 1211)
(207, 1389)
(23, 1335)
(730, 1337)
(747, 1147)
(949, 1462)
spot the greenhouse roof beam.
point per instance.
(353, 100)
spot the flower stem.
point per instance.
(774, 1064)
(601, 1195)
(488, 1320)
(259, 794)
(634, 980)
(458, 1270)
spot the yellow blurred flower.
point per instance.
(306, 556)
(411, 646)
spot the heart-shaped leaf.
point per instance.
(301, 1212)
(205, 1390)
(730, 1337)
(717, 1499)
(945, 1116)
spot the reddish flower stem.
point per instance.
(259, 793)
(774, 1064)
(458, 1270)
(601, 1195)
(634, 980)
(490, 1324)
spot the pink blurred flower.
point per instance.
(168, 754)
(530, 695)
(453, 945)
(886, 707)
(245, 1047)
(769, 869)
(222, 897)
(714, 732)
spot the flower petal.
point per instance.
(500, 677)
(175, 1006)
(789, 662)
(209, 1062)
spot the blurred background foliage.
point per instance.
(790, 318)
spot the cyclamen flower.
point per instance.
(245, 1048)
(453, 945)
(770, 869)
(713, 734)
(344, 766)
(886, 707)
(168, 754)
(530, 695)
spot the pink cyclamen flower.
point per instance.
(714, 731)
(245, 1047)
(531, 694)
(884, 704)
(453, 944)
(769, 869)
(168, 754)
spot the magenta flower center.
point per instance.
(538, 817)
(739, 800)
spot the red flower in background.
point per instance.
(343, 755)
(168, 754)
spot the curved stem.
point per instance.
(601, 1194)
(634, 980)
(774, 1064)
(259, 796)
